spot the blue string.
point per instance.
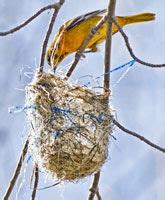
(67, 112)
(55, 109)
(129, 64)
(28, 159)
(17, 109)
(99, 119)
(57, 134)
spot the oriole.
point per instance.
(71, 34)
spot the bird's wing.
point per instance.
(76, 21)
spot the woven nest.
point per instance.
(69, 127)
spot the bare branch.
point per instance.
(127, 43)
(94, 187)
(17, 171)
(138, 136)
(108, 45)
(36, 179)
(98, 194)
(48, 33)
(26, 22)
(79, 53)
(110, 13)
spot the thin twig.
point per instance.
(94, 187)
(48, 33)
(36, 179)
(127, 43)
(79, 53)
(17, 171)
(50, 186)
(138, 136)
(55, 5)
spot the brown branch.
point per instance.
(36, 179)
(127, 43)
(98, 194)
(138, 136)
(108, 45)
(17, 171)
(94, 188)
(55, 5)
(48, 33)
(110, 14)
(79, 53)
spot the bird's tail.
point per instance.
(143, 17)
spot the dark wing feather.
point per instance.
(81, 18)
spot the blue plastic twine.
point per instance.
(129, 64)
(18, 109)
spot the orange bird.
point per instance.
(71, 34)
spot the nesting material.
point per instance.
(69, 127)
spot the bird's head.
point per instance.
(54, 57)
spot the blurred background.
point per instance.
(134, 171)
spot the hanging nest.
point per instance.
(69, 127)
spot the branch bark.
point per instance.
(17, 171)
(36, 179)
(134, 134)
(79, 53)
(127, 43)
(108, 45)
(110, 13)
(94, 187)
(26, 22)
(48, 33)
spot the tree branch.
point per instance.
(26, 22)
(108, 45)
(48, 33)
(138, 136)
(98, 194)
(36, 179)
(79, 53)
(110, 13)
(94, 187)
(17, 171)
(127, 43)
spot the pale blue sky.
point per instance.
(134, 170)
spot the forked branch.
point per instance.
(26, 22)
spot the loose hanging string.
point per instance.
(128, 64)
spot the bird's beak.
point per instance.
(54, 67)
